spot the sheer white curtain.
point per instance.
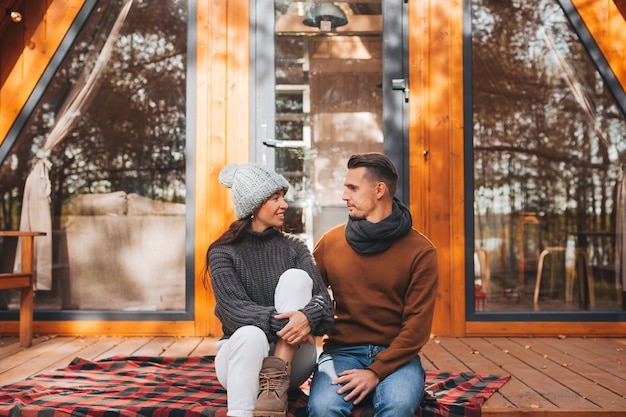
(36, 214)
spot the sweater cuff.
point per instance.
(314, 312)
(275, 324)
(380, 369)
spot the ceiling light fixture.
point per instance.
(326, 16)
(15, 16)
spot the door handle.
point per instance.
(273, 143)
(270, 143)
(401, 84)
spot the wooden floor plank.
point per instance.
(94, 346)
(582, 366)
(517, 391)
(577, 348)
(441, 358)
(55, 350)
(126, 347)
(612, 343)
(529, 370)
(426, 363)
(182, 346)
(42, 347)
(205, 348)
(599, 347)
(155, 347)
(73, 349)
(9, 346)
(570, 374)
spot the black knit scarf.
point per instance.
(367, 237)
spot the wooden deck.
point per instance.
(573, 376)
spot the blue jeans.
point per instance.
(398, 395)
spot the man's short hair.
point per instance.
(378, 168)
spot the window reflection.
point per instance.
(549, 151)
(117, 172)
(328, 103)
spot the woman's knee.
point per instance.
(249, 338)
(294, 290)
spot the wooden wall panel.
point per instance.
(606, 21)
(436, 147)
(222, 129)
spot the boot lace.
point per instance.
(271, 381)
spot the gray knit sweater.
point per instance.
(244, 277)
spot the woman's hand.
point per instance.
(297, 330)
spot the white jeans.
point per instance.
(240, 357)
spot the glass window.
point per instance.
(327, 84)
(109, 132)
(549, 153)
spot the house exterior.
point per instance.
(428, 83)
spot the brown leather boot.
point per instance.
(273, 387)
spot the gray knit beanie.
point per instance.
(251, 185)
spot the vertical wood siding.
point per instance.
(606, 21)
(436, 147)
(223, 71)
(26, 50)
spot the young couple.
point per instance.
(272, 298)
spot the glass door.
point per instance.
(321, 82)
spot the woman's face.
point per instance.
(271, 213)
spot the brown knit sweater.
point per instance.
(382, 299)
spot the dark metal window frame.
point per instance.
(20, 123)
(620, 98)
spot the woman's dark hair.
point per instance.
(378, 168)
(233, 235)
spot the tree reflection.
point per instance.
(548, 137)
(130, 139)
(132, 135)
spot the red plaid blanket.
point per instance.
(187, 387)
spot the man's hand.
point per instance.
(297, 331)
(359, 382)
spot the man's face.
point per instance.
(359, 194)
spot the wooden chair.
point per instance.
(547, 251)
(24, 281)
(484, 288)
(485, 270)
